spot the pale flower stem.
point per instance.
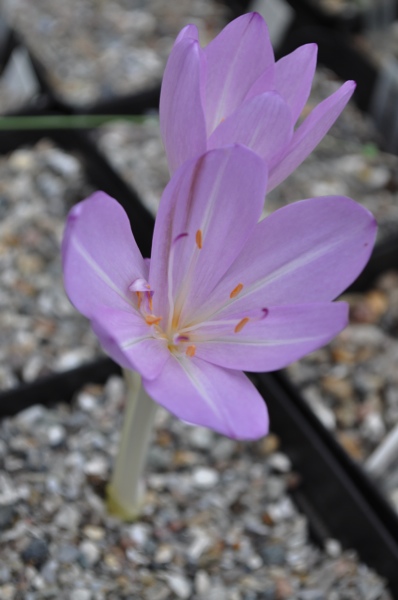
(125, 492)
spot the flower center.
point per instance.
(177, 343)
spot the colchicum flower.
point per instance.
(232, 91)
(222, 291)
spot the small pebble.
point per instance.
(6, 516)
(279, 462)
(205, 478)
(82, 595)
(90, 553)
(56, 435)
(179, 585)
(35, 553)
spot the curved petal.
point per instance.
(206, 215)
(182, 120)
(130, 341)
(235, 59)
(207, 395)
(293, 77)
(263, 124)
(189, 31)
(308, 251)
(309, 134)
(100, 256)
(285, 334)
(264, 83)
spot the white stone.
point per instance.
(139, 533)
(164, 554)
(67, 518)
(56, 435)
(205, 478)
(200, 544)
(333, 548)
(97, 467)
(373, 427)
(65, 164)
(179, 585)
(81, 595)
(90, 552)
(86, 402)
(279, 462)
(254, 562)
(201, 438)
(30, 416)
(202, 583)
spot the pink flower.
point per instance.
(232, 91)
(222, 292)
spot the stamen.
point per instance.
(181, 338)
(199, 239)
(152, 320)
(190, 351)
(241, 324)
(139, 296)
(236, 290)
(139, 285)
(150, 302)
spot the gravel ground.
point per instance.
(94, 49)
(218, 522)
(40, 330)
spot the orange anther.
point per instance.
(190, 351)
(241, 324)
(236, 290)
(152, 320)
(139, 296)
(150, 302)
(199, 239)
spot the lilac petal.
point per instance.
(182, 121)
(189, 31)
(235, 59)
(309, 134)
(284, 335)
(263, 124)
(206, 215)
(308, 251)
(130, 341)
(264, 83)
(204, 394)
(293, 77)
(100, 256)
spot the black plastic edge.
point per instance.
(335, 489)
(56, 387)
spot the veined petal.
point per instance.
(130, 341)
(293, 77)
(235, 59)
(263, 124)
(206, 215)
(100, 255)
(309, 134)
(182, 120)
(284, 335)
(207, 395)
(308, 251)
